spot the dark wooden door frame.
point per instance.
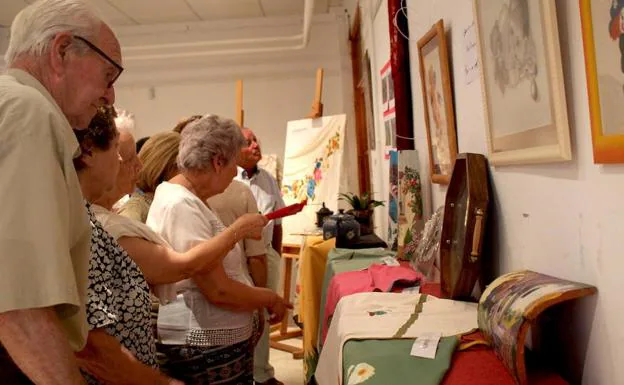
(361, 131)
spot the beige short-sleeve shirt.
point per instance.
(236, 200)
(44, 228)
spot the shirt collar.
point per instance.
(242, 173)
(27, 79)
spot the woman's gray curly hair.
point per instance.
(209, 138)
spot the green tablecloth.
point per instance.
(389, 362)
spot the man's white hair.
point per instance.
(125, 121)
(35, 26)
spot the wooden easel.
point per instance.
(317, 106)
(291, 252)
(240, 113)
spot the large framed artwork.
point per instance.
(438, 102)
(603, 41)
(522, 81)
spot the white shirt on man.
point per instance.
(268, 196)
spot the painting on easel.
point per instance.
(313, 168)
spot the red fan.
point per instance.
(287, 211)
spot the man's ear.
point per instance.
(87, 158)
(59, 48)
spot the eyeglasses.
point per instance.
(105, 57)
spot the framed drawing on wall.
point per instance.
(438, 103)
(524, 101)
(603, 41)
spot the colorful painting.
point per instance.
(410, 198)
(305, 186)
(603, 40)
(313, 170)
(393, 201)
(509, 305)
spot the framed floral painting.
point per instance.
(438, 103)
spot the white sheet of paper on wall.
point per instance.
(471, 61)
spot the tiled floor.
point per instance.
(287, 370)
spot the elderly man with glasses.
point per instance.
(62, 63)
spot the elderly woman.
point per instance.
(118, 295)
(205, 333)
(158, 156)
(120, 346)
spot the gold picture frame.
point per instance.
(602, 73)
(438, 103)
(524, 102)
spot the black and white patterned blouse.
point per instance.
(118, 296)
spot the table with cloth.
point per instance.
(356, 264)
(308, 289)
(390, 358)
(386, 361)
(312, 282)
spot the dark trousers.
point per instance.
(10, 374)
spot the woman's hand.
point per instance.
(249, 226)
(277, 310)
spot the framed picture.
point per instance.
(522, 81)
(603, 41)
(438, 102)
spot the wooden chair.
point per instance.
(280, 331)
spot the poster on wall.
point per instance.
(387, 107)
(603, 41)
(471, 57)
(522, 81)
(312, 170)
(393, 201)
(389, 118)
(410, 200)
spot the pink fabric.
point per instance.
(376, 278)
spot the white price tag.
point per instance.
(426, 345)
(412, 290)
(390, 261)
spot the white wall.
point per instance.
(278, 86)
(559, 219)
(269, 104)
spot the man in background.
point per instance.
(62, 62)
(268, 197)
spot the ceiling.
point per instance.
(145, 12)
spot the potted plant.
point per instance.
(362, 209)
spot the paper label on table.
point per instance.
(390, 261)
(426, 345)
(412, 290)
